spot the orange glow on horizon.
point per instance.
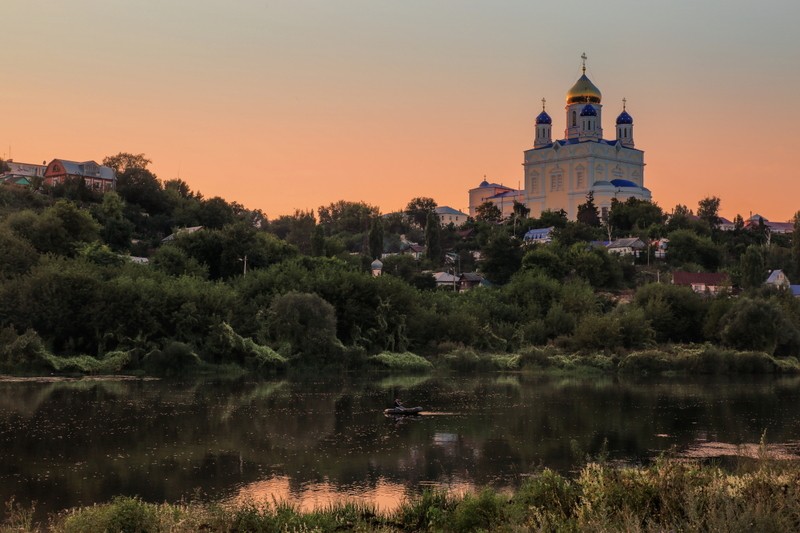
(286, 106)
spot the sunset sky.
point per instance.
(284, 105)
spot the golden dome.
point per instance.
(584, 91)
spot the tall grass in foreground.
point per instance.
(670, 495)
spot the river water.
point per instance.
(317, 441)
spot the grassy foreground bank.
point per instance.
(667, 496)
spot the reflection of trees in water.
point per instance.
(65, 443)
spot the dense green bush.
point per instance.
(677, 314)
(307, 324)
(702, 360)
(401, 361)
(760, 325)
(175, 359)
(22, 352)
(122, 514)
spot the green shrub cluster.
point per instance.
(705, 360)
(406, 361)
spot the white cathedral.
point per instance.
(560, 173)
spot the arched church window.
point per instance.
(574, 119)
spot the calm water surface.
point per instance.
(317, 441)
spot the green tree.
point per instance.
(318, 242)
(180, 187)
(758, 325)
(752, 268)
(595, 265)
(520, 210)
(174, 261)
(796, 248)
(708, 211)
(350, 217)
(215, 213)
(502, 257)
(117, 230)
(18, 255)
(676, 313)
(306, 323)
(376, 238)
(573, 232)
(556, 219)
(546, 259)
(60, 300)
(418, 209)
(100, 254)
(633, 213)
(125, 161)
(685, 246)
(588, 213)
(433, 238)
(223, 251)
(488, 212)
(139, 186)
(61, 229)
(297, 229)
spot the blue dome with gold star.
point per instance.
(588, 111)
(544, 118)
(624, 118)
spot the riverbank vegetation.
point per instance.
(156, 279)
(669, 495)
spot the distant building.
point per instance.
(500, 195)
(97, 177)
(458, 282)
(702, 282)
(22, 173)
(560, 173)
(172, 236)
(773, 227)
(446, 280)
(540, 235)
(660, 246)
(726, 224)
(448, 215)
(417, 251)
(630, 246)
(778, 280)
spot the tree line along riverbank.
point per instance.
(240, 292)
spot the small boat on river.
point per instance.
(403, 411)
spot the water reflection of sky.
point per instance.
(313, 442)
(385, 496)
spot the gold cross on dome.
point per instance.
(624, 103)
(584, 58)
(543, 102)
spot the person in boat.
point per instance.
(398, 404)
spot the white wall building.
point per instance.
(448, 215)
(500, 195)
(560, 173)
